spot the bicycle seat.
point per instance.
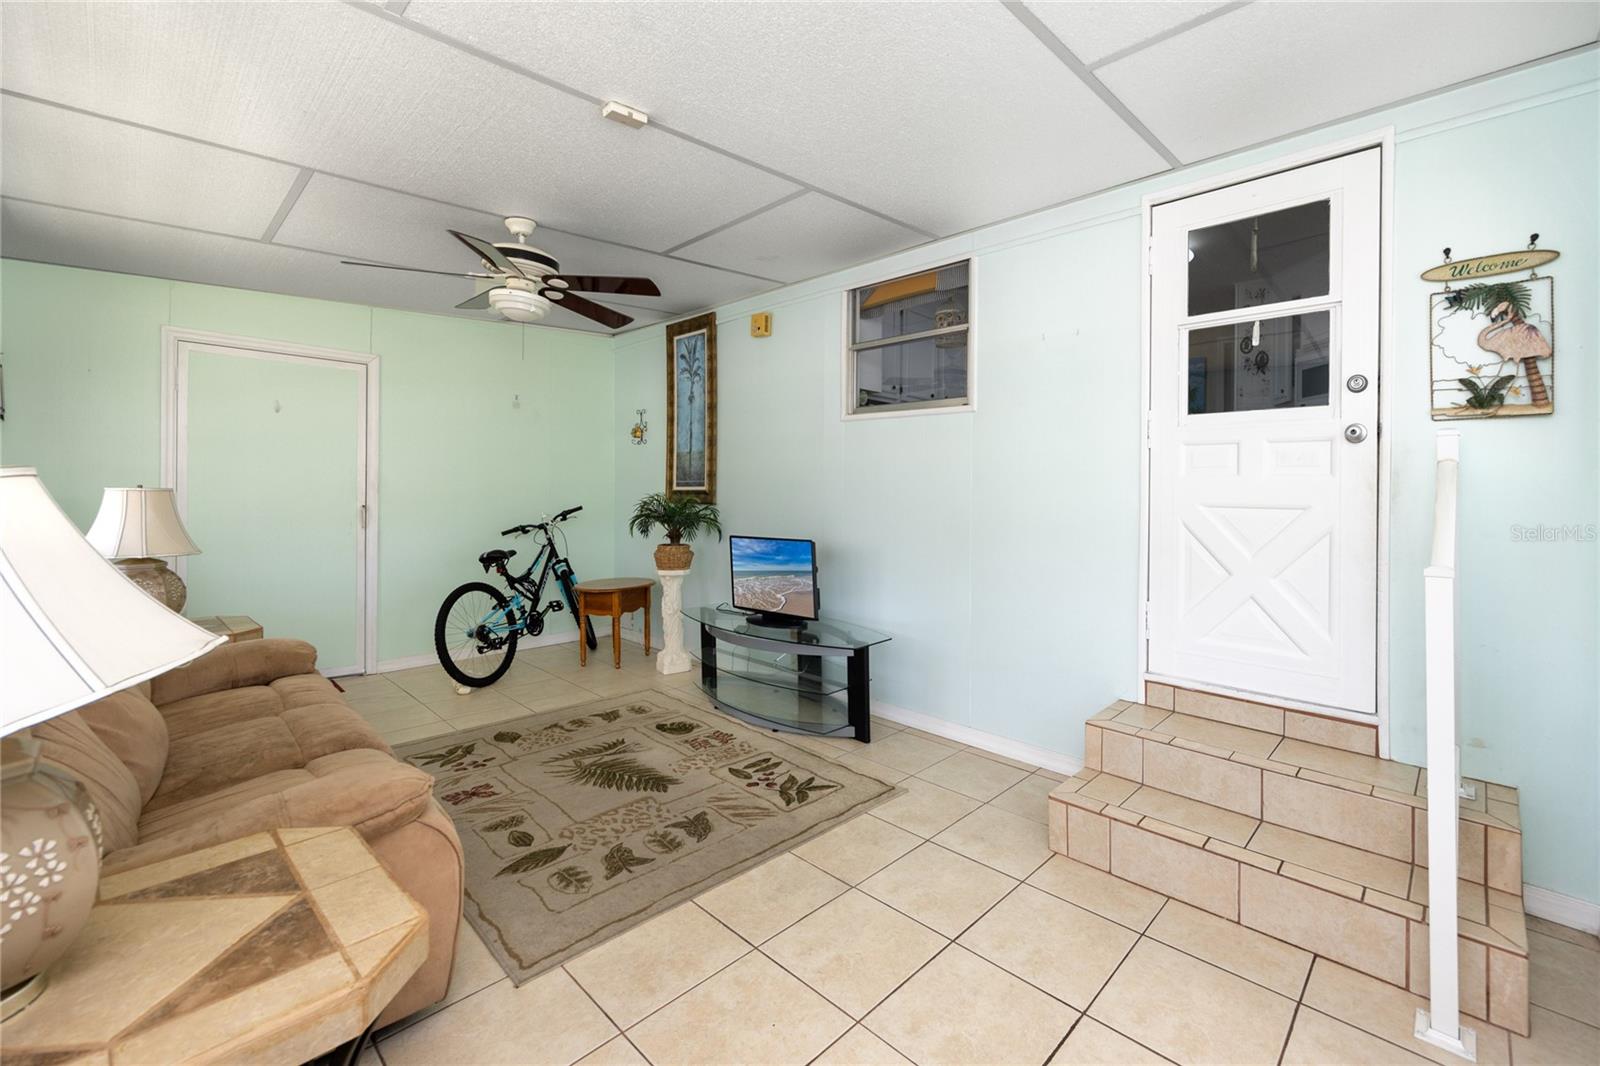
(495, 557)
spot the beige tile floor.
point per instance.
(939, 928)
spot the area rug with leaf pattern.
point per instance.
(580, 823)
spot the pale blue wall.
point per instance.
(1001, 547)
(482, 424)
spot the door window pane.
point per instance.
(930, 370)
(1263, 259)
(1289, 367)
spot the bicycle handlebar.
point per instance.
(562, 517)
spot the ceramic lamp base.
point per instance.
(49, 868)
(13, 1000)
(157, 580)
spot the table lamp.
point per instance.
(135, 526)
(72, 630)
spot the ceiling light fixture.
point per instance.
(624, 115)
(517, 301)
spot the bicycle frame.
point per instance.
(524, 611)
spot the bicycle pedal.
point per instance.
(556, 607)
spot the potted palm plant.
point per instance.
(681, 518)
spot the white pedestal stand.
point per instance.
(672, 659)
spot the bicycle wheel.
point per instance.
(475, 634)
(567, 589)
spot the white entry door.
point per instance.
(1263, 511)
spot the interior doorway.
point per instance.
(1262, 516)
(271, 449)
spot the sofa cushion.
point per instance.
(250, 662)
(162, 820)
(302, 689)
(224, 756)
(67, 742)
(134, 730)
(197, 714)
(325, 728)
(365, 789)
(202, 762)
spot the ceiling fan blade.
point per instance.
(588, 308)
(487, 252)
(416, 270)
(600, 283)
(478, 302)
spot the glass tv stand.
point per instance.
(811, 679)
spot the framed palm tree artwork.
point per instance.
(692, 408)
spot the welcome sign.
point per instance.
(1485, 265)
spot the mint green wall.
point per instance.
(944, 528)
(481, 424)
(1001, 547)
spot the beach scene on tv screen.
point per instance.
(773, 576)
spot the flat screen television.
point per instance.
(776, 578)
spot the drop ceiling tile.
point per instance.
(807, 236)
(944, 116)
(75, 238)
(76, 160)
(1094, 29)
(356, 221)
(343, 90)
(1269, 69)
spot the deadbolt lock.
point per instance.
(1355, 433)
(1356, 383)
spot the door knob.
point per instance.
(1355, 433)
(1356, 383)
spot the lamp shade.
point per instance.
(139, 523)
(72, 629)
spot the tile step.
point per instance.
(1375, 804)
(1360, 909)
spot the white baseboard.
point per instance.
(1060, 762)
(543, 640)
(1562, 909)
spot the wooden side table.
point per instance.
(274, 947)
(235, 627)
(613, 597)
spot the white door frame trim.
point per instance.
(174, 429)
(1383, 139)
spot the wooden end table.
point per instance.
(613, 597)
(274, 947)
(235, 627)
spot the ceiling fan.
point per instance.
(528, 282)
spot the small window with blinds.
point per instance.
(910, 343)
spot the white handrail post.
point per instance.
(1440, 1023)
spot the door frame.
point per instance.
(175, 432)
(1383, 139)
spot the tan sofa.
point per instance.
(249, 737)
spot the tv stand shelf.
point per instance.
(812, 679)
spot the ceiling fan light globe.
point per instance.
(519, 305)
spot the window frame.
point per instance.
(847, 389)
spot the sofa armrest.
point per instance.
(249, 662)
(366, 790)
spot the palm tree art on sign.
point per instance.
(1494, 349)
(692, 408)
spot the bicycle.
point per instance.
(477, 628)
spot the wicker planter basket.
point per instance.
(674, 556)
